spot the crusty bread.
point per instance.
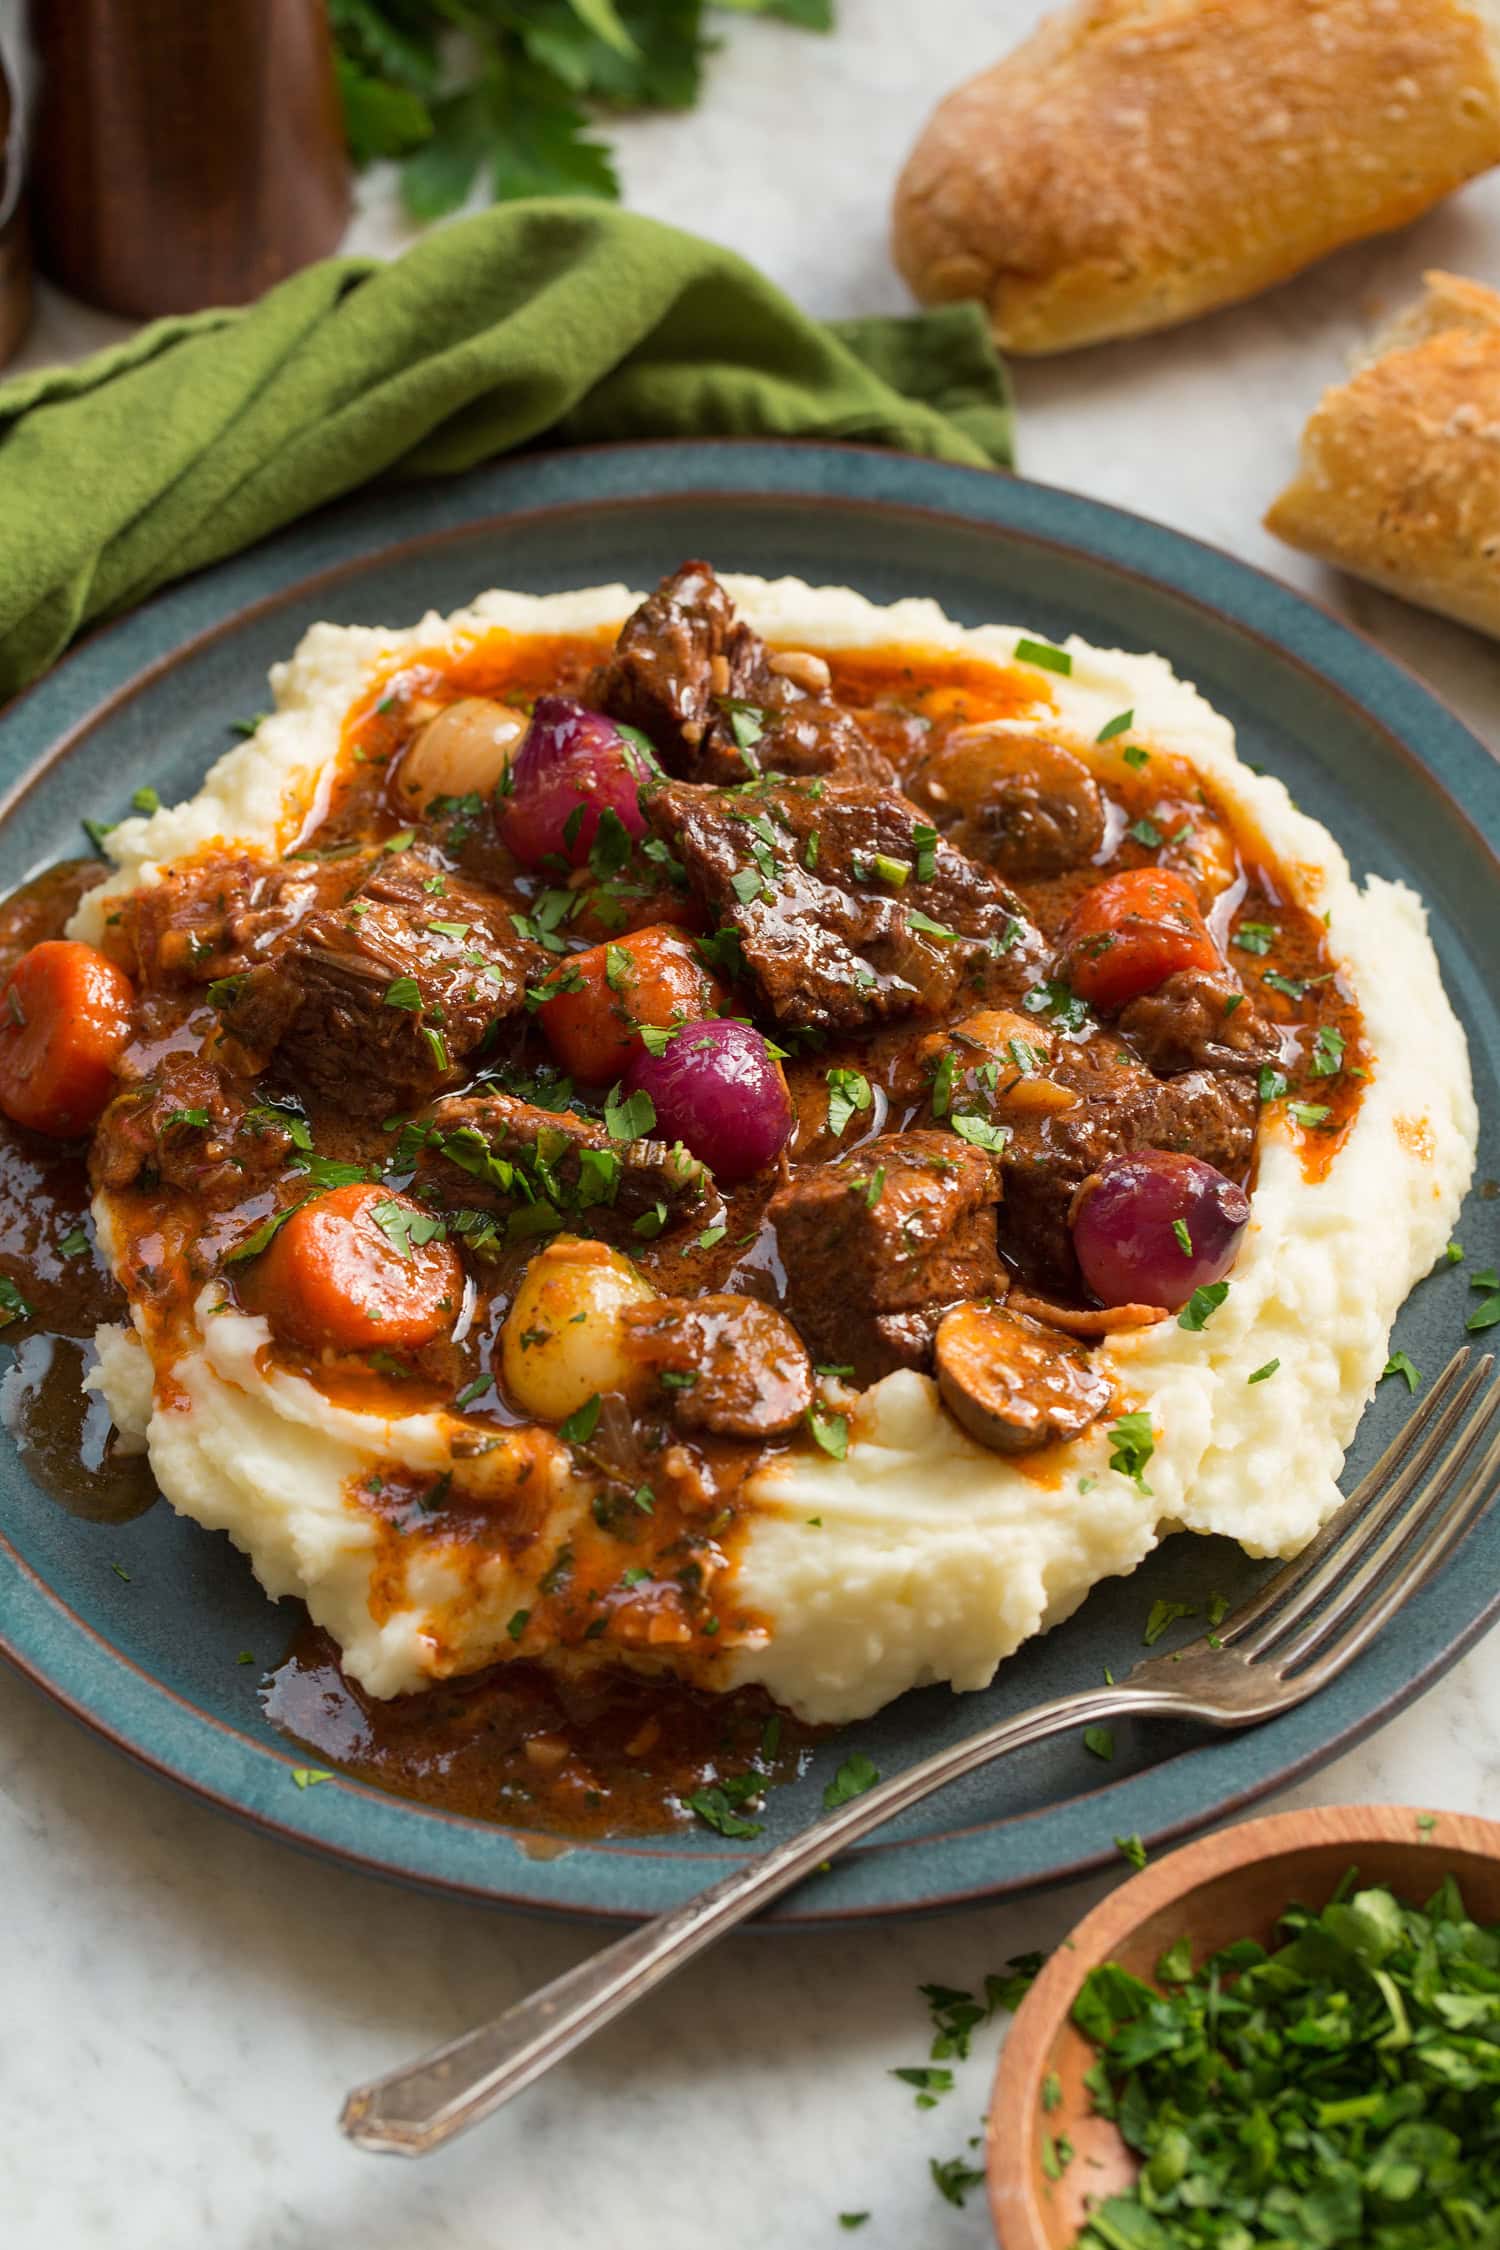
(1400, 473)
(1137, 162)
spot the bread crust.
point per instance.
(1137, 162)
(1399, 479)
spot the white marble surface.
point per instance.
(183, 2003)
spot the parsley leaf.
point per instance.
(854, 1777)
(715, 1811)
(1044, 655)
(1121, 723)
(848, 1093)
(1399, 1364)
(1202, 1305)
(1133, 1443)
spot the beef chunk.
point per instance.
(876, 1248)
(186, 1127)
(1121, 1107)
(844, 917)
(548, 1168)
(1198, 1022)
(372, 1004)
(215, 917)
(739, 1367)
(682, 665)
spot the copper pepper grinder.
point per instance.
(186, 152)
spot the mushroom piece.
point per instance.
(732, 1365)
(1012, 1383)
(1022, 802)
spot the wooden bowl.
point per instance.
(1230, 1885)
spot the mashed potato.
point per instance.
(922, 1556)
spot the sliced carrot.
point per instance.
(602, 997)
(64, 1017)
(1130, 933)
(356, 1270)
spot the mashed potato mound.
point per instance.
(922, 1556)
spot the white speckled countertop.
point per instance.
(183, 2003)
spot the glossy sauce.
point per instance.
(591, 1749)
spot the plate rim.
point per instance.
(954, 485)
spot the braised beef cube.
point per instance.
(716, 702)
(729, 1365)
(548, 1169)
(1121, 1107)
(215, 917)
(876, 1248)
(375, 1003)
(187, 1127)
(1199, 1022)
(846, 908)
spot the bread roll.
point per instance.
(1400, 474)
(1140, 161)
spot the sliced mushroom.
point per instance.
(731, 1365)
(1012, 1383)
(1025, 804)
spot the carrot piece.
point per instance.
(600, 998)
(351, 1272)
(64, 1017)
(1130, 933)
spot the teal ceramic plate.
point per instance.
(151, 1663)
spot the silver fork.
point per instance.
(1428, 1488)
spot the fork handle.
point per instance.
(428, 2102)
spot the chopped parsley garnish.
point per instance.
(1202, 1305)
(1183, 1238)
(74, 1244)
(715, 1810)
(406, 1226)
(854, 1777)
(848, 1094)
(1254, 937)
(259, 1237)
(1100, 1740)
(1399, 1364)
(1132, 1849)
(1272, 1083)
(954, 2179)
(892, 871)
(1328, 1052)
(830, 1431)
(1134, 755)
(942, 1083)
(1132, 1445)
(849, 2220)
(1119, 724)
(519, 1620)
(195, 1119)
(1309, 1114)
(403, 992)
(146, 799)
(1295, 988)
(924, 846)
(610, 848)
(628, 1117)
(581, 1423)
(980, 1133)
(1059, 1001)
(1264, 1374)
(929, 2079)
(1164, 1615)
(917, 920)
(1483, 1316)
(1044, 655)
(471, 1391)
(308, 1777)
(1145, 832)
(1335, 2089)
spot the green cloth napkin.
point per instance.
(559, 320)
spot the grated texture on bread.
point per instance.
(1399, 479)
(1137, 162)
